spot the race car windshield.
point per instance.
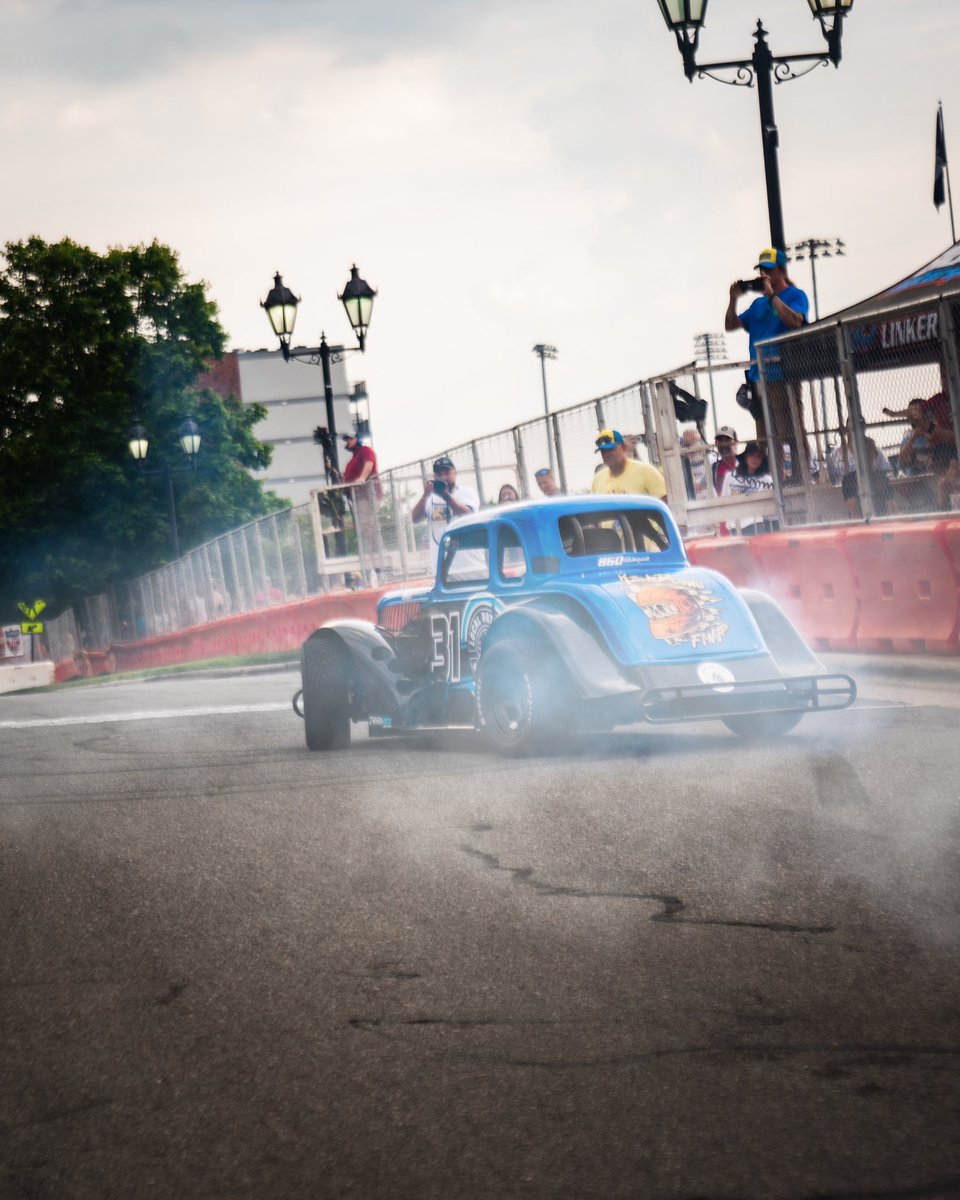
(466, 558)
(629, 531)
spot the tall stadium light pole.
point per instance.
(544, 352)
(685, 18)
(713, 348)
(281, 307)
(812, 249)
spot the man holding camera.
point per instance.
(443, 500)
(781, 308)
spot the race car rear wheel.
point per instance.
(759, 727)
(326, 694)
(520, 698)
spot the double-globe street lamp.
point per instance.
(139, 443)
(685, 18)
(281, 307)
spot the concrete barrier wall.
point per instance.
(284, 627)
(891, 588)
(26, 675)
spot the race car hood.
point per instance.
(686, 614)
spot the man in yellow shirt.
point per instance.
(622, 475)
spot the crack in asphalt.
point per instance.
(671, 906)
(460, 1022)
(390, 969)
(878, 1054)
(172, 993)
(936, 1190)
(62, 1113)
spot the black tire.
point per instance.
(761, 727)
(522, 700)
(325, 671)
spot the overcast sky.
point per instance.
(504, 173)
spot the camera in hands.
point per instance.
(751, 285)
(440, 487)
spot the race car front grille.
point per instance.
(395, 617)
(698, 702)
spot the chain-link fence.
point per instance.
(361, 535)
(860, 416)
(872, 390)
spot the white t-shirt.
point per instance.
(439, 515)
(746, 485)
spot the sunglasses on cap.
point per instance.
(540, 474)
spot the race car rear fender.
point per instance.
(591, 670)
(373, 659)
(789, 651)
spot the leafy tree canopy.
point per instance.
(89, 344)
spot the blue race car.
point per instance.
(575, 613)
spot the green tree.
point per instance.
(89, 344)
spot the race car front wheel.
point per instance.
(520, 698)
(759, 727)
(326, 694)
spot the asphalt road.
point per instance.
(660, 965)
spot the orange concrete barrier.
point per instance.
(265, 631)
(732, 556)
(809, 574)
(284, 627)
(951, 540)
(908, 588)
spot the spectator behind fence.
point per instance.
(931, 444)
(842, 465)
(508, 494)
(726, 462)
(781, 308)
(622, 475)
(751, 478)
(443, 500)
(694, 464)
(916, 452)
(364, 491)
(547, 482)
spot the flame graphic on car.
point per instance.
(679, 611)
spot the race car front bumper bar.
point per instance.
(704, 702)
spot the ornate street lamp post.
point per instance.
(190, 438)
(281, 307)
(685, 19)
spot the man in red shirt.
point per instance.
(362, 488)
(363, 463)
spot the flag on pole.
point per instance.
(940, 162)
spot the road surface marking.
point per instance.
(160, 714)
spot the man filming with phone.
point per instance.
(443, 500)
(780, 308)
